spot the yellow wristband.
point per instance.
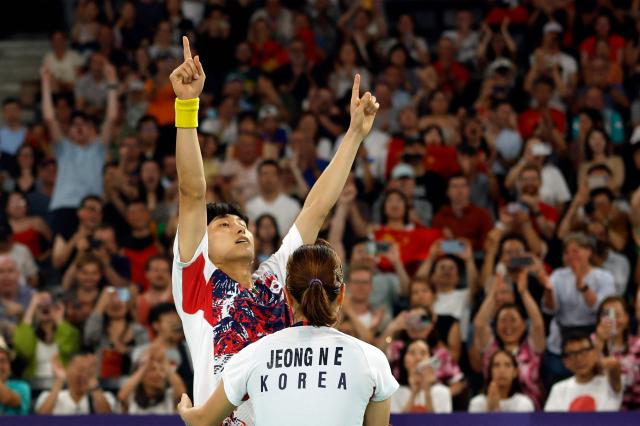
(187, 113)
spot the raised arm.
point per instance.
(328, 188)
(188, 81)
(48, 112)
(112, 103)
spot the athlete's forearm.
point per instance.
(327, 188)
(189, 164)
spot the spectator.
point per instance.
(403, 178)
(360, 279)
(244, 165)
(141, 244)
(602, 32)
(420, 390)
(542, 120)
(14, 297)
(465, 38)
(453, 291)
(23, 177)
(421, 323)
(13, 132)
(64, 63)
(81, 155)
(461, 217)
(502, 391)
(27, 230)
(116, 266)
(21, 256)
(14, 394)
(154, 388)
(554, 189)
(85, 276)
(67, 244)
(271, 200)
(83, 395)
(346, 66)
(42, 335)
(111, 331)
(599, 150)
(453, 76)
(267, 237)
(39, 198)
(85, 30)
(278, 18)
(92, 88)
(543, 216)
(613, 338)
(605, 257)
(158, 274)
(416, 46)
(572, 295)
(594, 98)
(588, 389)
(510, 336)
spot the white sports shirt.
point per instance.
(306, 375)
(219, 317)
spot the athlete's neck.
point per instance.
(239, 272)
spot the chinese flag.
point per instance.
(414, 245)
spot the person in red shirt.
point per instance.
(453, 76)
(141, 244)
(544, 217)
(461, 217)
(542, 117)
(602, 33)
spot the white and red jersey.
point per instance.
(220, 317)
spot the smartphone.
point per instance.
(513, 208)
(123, 294)
(595, 182)
(419, 322)
(452, 247)
(432, 362)
(541, 150)
(382, 246)
(520, 262)
(611, 317)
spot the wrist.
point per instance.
(187, 113)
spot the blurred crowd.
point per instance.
(490, 226)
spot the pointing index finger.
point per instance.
(186, 48)
(355, 92)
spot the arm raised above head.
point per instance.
(328, 188)
(187, 81)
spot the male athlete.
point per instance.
(222, 306)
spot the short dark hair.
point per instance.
(602, 191)
(156, 257)
(572, 336)
(90, 197)
(161, 309)
(11, 100)
(268, 162)
(144, 119)
(458, 176)
(215, 210)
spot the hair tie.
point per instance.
(315, 281)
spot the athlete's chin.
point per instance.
(243, 251)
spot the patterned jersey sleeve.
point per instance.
(277, 263)
(192, 290)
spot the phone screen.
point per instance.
(452, 246)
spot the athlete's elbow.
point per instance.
(193, 188)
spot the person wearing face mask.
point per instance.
(419, 389)
(502, 390)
